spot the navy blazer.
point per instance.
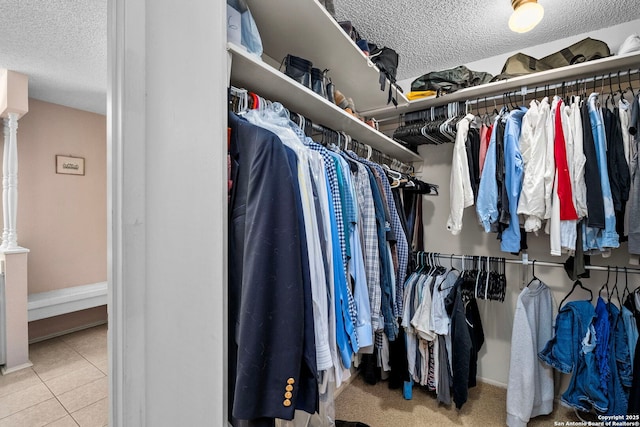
(270, 370)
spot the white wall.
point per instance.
(613, 36)
(167, 237)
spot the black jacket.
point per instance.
(595, 203)
(461, 344)
(269, 354)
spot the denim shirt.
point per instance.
(603, 329)
(487, 203)
(597, 238)
(619, 364)
(568, 353)
(514, 167)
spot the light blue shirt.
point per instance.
(596, 238)
(345, 331)
(487, 203)
(514, 168)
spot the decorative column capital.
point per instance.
(14, 93)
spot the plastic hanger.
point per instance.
(575, 285)
(533, 273)
(449, 272)
(615, 288)
(625, 291)
(620, 87)
(630, 86)
(606, 285)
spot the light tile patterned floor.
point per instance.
(65, 387)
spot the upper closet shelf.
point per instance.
(248, 71)
(557, 75)
(306, 29)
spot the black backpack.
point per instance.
(386, 59)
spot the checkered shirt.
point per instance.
(401, 239)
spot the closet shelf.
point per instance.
(248, 71)
(306, 29)
(557, 75)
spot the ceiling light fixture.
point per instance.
(526, 15)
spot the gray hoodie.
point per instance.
(530, 386)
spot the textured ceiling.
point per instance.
(435, 35)
(62, 44)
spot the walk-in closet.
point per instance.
(418, 237)
(322, 213)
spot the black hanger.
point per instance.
(575, 285)
(449, 272)
(630, 86)
(626, 285)
(606, 284)
(619, 86)
(613, 93)
(533, 273)
(615, 288)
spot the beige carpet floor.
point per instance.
(378, 406)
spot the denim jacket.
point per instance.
(571, 350)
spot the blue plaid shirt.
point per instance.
(398, 232)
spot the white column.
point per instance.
(10, 182)
(167, 212)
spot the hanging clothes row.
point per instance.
(563, 165)
(443, 328)
(319, 241)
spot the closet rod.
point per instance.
(545, 89)
(378, 156)
(526, 262)
(568, 85)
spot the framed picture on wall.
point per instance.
(69, 165)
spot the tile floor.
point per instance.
(65, 387)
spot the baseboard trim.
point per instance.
(345, 383)
(68, 331)
(5, 371)
(43, 305)
(492, 382)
